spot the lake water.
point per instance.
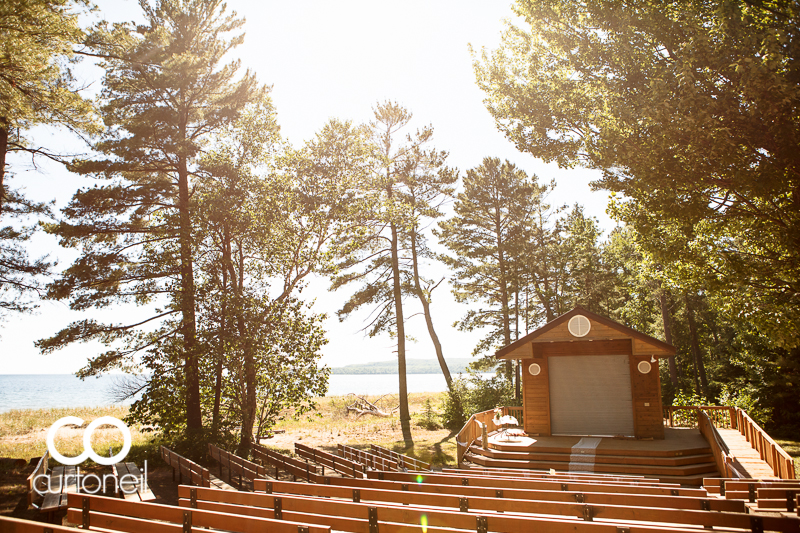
(38, 391)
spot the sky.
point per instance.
(328, 60)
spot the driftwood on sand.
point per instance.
(381, 407)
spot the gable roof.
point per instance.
(578, 310)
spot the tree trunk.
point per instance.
(698, 356)
(3, 151)
(249, 405)
(194, 417)
(223, 333)
(503, 294)
(405, 415)
(667, 319)
(426, 311)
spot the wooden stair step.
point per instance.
(511, 447)
(598, 459)
(620, 468)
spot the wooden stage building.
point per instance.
(592, 403)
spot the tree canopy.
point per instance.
(690, 109)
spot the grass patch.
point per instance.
(792, 447)
(332, 425)
(23, 433)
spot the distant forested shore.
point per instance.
(413, 366)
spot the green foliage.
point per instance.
(36, 87)
(691, 112)
(429, 419)
(475, 394)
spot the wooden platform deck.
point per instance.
(747, 459)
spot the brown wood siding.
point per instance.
(597, 332)
(536, 398)
(646, 391)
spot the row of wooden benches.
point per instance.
(436, 504)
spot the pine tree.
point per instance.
(164, 91)
(36, 87)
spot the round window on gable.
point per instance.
(534, 369)
(644, 367)
(579, 326)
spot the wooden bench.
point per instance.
(295, 467)
(353, 514)
(369, 460)
(598, 498)
(403, 461)
(194, 473)
(544, 474)
(235, 464)
(540, 484)
(99, 512)
(50, 487)
(131, 484)
(18, 525)
(493, 504)
(338, 464)
(783, 498)
(747, 489)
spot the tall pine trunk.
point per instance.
(504, 295)
(223, 330)
(700, 368)
(3, 151)
(426, 311)
(667, 320)
(405, 415)
(194, 417)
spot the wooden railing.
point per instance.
(403, 461)
(193, 472)
(722, 455)
(722, 416)
(770, 451)
(475, 426)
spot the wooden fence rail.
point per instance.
(770, 451)
(334, 462)
(235, 465)
(369, 460)
(722, 416)
(403, 461)
(481, 425)
(195, 474)
(296, 467)
(719, 450)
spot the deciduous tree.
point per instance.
(690, 109)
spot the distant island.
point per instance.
(413, 366)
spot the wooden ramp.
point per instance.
(747, 460)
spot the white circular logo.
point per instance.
(88, 452)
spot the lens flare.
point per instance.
(420, 479)
(424, 523)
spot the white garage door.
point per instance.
(590, 395)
